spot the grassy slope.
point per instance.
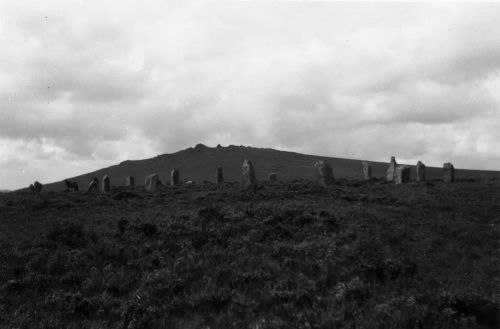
(199, 163)
(354, 255)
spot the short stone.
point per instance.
(367, 171)
(130, 181)
(106, 184)
(38, 187)
(448, 172)
(420, 172)
(93, 185)
(390, 171)
(219, 177)
(401, 175)
(174, 177)
(324, 173)
(70, 185)
(151, 182)
(248, 181)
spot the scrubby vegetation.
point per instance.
(292, 255)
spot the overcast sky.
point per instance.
(87, 84)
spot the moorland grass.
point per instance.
(292, 255)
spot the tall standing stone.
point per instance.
(448, 172)
(151, 182)
(420, 172)
(174, 177)
(401, 175)
(248, 181)
(324, 173)
(93, 185)
(391, 170)
(219, 177)
(130, 181)
(273, 177)
(106, 185)
(367, 171)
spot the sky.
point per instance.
(88, 84)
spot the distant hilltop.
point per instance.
(199, 163)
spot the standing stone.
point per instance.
(38, 187)
(93, 185)
(448, 172)
(106, 185)
(420, 172)
(401, 175)
(324, 173)
(273, 177)
(390, 171)
(71, 186)
(367, 171)
(219, 177)
(130, 181)
(151, 182)
(174, 177)
(32, 188)
(248, 181)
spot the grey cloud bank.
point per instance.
(89, 84)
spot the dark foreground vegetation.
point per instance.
(292, 255)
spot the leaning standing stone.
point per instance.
(248, 181)
(448, 172)
(106, 185)
(219, 177)
(420, 172)
(93, 185)
(130, 181)
(402, 175)
(273, 177)
(390, 171)
(367, 171)
(324, 173)
(174, 177)
(151, 182)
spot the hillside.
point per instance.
(358, 254)
(200, 162)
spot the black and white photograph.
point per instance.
(249, 164)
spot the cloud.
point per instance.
(85, 85)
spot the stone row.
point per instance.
(397, 174)
(152, 181)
